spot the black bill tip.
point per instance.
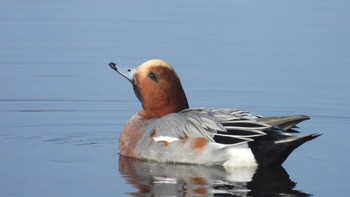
(113, 66)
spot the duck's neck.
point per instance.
(172, 102)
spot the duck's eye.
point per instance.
(152, 76)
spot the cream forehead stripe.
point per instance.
(154, 62)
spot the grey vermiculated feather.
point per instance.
(212, 125)
(187, 123)
(223, 114)
(284, 122)
(201, 122)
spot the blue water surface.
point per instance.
(62, 108)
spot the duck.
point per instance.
(166, 129)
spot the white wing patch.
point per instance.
(165, 139)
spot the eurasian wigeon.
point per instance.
(167, 130)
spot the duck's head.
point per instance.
(157, 86)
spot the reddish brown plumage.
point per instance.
(199, 143)
(131, 135)
(198, 180)
(200, 191)
(162, 95)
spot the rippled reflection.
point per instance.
(164, 179)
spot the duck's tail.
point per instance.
(275, 152)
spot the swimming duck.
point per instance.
(167, 130)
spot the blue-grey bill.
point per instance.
(125, 72)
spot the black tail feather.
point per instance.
(275, 152)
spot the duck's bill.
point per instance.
(125, 72)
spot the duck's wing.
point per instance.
(275, 141)
(243, 123)
(286, 123)
(214, 124)
(233, 116)
(187, 123)
(238, 124)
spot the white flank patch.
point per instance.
(165, 139)
(240, 173)
(240, 155)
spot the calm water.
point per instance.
(62, 108)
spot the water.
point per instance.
(62, 108)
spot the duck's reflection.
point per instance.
(165, 179)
